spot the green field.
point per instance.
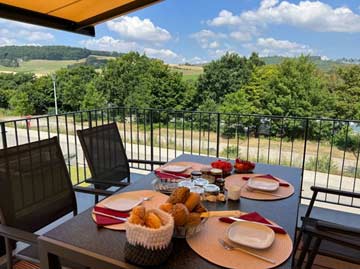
(189, 72)
(40, 67)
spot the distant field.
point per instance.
(189, 72)
(40, 67)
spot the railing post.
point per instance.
(304, 154)
(89, 119)
(218, 135)
(3, 134)
(151, 140)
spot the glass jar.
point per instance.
(201, 182)
(216, 173)
(220, 182)
(205, 173)
(196, 174)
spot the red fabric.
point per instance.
(283, 184)
(255, 217)
(103, 221)
(168, 175)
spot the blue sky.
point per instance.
(197, 31)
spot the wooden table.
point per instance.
(82, 233)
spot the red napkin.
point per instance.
(103, 221)
(255, 217)
(281, 183)
(168, 175)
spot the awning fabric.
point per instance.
(79, 16)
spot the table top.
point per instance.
(82, 232)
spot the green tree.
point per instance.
(93, 99)
(20, 103)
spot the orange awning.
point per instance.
(79, 16)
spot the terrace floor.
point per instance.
(85, 201)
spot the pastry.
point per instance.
(180, 214)
(167, 207)
(199, 208)
(139, 211)
(135, 219)
(179, 195)
(211, 198)
(152, 220)
(193, 219)
(192, 201)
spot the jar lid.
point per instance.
(196, 173)
(211, 188)
(186, 183)
(206, 169)
(216, 171)
(197, 189)
(200, 182)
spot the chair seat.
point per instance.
(332, 243)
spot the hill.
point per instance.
(25, 53)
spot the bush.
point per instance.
(321, 164)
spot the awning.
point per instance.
(79, 16)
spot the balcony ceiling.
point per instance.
(78, 16)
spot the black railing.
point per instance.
(327, 150)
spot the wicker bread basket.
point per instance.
(146, 246)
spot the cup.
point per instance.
(233, 192)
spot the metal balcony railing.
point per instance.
(327, 150)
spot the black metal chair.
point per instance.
(106, 157)
(35, 190)
(53, 251)
(327, 238)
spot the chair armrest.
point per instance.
(92, 191)
(334, 191)
(146, 162)
(333, 227)
(18, 235)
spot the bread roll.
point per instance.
(135, 219)
(193, 219)
(192, 201)
(179, 195)
(199, 208)
(152, 220)
(180, 214)
(167, 207)
(139, 211)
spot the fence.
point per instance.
(327, 150)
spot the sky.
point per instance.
(198, 31)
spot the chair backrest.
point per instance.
(104, 152)
(35, 186)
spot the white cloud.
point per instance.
(241, 36)
(137, 29)
(314, 15)
(16, 33)
(208, 39)
(160, 53)
(109, 43)
(271, 46)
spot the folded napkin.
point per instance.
(170, 175)
(281, 183)
(103, 221)
(255, 217)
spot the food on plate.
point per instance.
(243, 165)
(192, 201)
(152, 220)
(180, 214)
(139, 211)
(167, 207)
(225, 166)
(179, 195)
(194, 219)
(211, 198)
(199, 208)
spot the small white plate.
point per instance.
(263, 184)
(122, 204)
(175, 168)
(251, 234)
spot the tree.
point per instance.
(93, 99)
(226, 75)
(20, 103)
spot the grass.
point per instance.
(74, 175)
(189, 72)
(39, 67)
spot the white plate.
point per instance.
(175, 168)
(251, 234)
(122, 204)
(263, 184)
